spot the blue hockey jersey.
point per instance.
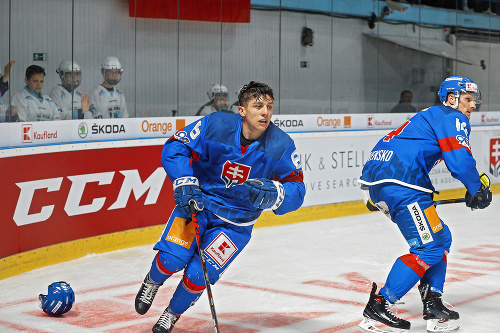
(406, 155)
(210, 150)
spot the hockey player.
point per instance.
(4, 86)
(396, 176)
(233, 166)
(71, 102)
(107, 101)
(30, 104)
(218, 101)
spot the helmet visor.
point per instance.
(472, 89)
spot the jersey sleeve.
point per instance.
(182, 147)
(453, 138)
(289, 173)
(95, 106)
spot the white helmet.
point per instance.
(108, 64)
(216, 89)
(73, 81)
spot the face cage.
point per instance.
(110, 81)
(70, 86)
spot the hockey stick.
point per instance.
(194, 219)
(372, 208)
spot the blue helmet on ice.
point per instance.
(59, 300)
(458, 85)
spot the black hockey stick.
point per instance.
(372, 208)
(194, 219)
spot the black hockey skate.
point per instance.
(166, 322)
(145, 296)
(377, 311)
(439, 317)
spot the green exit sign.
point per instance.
(304, 64)
(39, 56)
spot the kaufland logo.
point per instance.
(27, 133)
(487, 120)
(494, 156)
(370, 120)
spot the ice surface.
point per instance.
(303, 277)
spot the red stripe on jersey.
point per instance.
(191, 287)
(415, 263)
(162, 268)
(294, 176)
(451, 143)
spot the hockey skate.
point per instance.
(145, 296)
(439, 318)
(378, 312)
(166, 322)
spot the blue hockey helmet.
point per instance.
(457, 85)
(59, 300)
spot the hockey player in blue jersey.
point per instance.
(396, 176)
(233, 166)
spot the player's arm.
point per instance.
(176, 158)
(20, 107)
(453, 138)
(95, 107)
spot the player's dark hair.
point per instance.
(34, 69)
(254, 89)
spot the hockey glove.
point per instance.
(185, 190)
(483, 197)
(265, 193)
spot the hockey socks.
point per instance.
(186, 294)
(405, 273)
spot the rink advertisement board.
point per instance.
(54, 193)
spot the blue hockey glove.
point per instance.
(483, 197)
(265, 193)
(185, 190)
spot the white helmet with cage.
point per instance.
(70, 74)
(111, 64)
(216, 89)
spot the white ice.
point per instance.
(304, 277)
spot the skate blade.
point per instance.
(368, 325)
(434, 325)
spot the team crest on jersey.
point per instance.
(234, 173)
(463, 141)
(221, 249)
(182, 136)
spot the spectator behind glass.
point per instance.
(218, 101)
(71, 103)
(106, 101)
(404, 105)
(4, 86)
(30, 104)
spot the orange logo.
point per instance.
(433, 219)
(180, 233)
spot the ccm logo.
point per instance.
(131, 184)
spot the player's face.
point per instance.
(466, 104)
(256, 116)
(35, 82)
(220, 100)
(72, 78)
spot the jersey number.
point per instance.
(396, 131)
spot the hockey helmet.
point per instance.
(111, 63)
(217, 89)
(59, 299)
(457, 85)
(73, 80)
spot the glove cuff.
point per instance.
(183, 181)
(281, 194)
